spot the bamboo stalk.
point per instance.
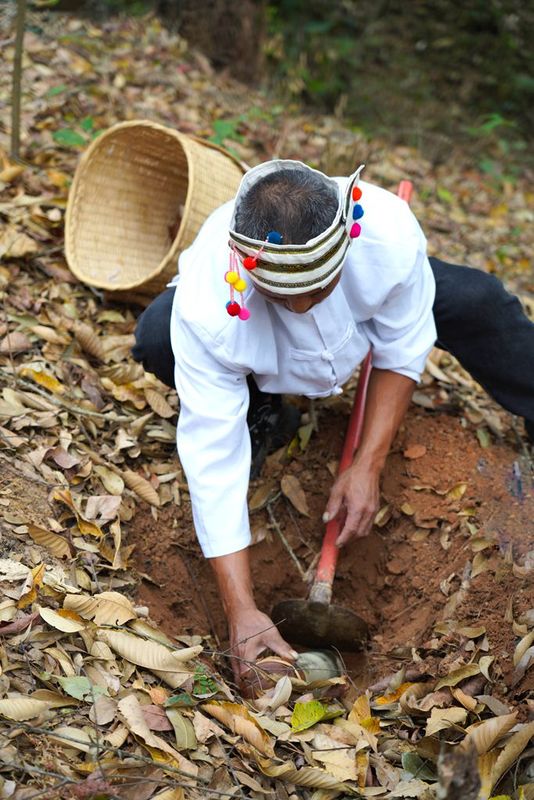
(17, 79)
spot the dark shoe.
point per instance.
(271, 425)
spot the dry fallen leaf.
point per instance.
(441, 718)
(294, 492)
(58, 545)
(64, 620)
(414, 451)
(88, 340)
(485, 735)
(141, 487)
(21, 707)
(106, 608)
(132, 714)
(171, 665)
(239, 721)
(158, 404)
(15, 343)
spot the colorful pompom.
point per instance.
(233, 308)
(355, 230)
(356, 193)
(244, 314)
(250, 262)
(231, 277)
(240, 285)
(357, 212)
(274, 237)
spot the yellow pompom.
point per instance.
(240, 285)
(232, 277)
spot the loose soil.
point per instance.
(403, 579)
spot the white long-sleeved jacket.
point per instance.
(383, 302)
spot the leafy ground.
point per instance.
(96, 537)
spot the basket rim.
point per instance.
(184, 140)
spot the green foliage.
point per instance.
(226, 129)
(418, 767)
(80, 136)
(234, 129)
(204, 685)
(404, 68)
(491, 123)
(55, 90)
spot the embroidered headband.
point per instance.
(293, 269)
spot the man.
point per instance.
(333, 268)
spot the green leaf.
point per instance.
(183, 730)
(68, 138)
(56, 90)
(183, 700)
(225, 129)
(204, 685)
(444, 195)
(305, 715)
(80, 687)
(87, 124)
(483, 437)
(418, 767)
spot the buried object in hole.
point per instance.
(310, 666)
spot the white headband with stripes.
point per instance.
(287, 269)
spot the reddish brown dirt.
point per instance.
(404, 577)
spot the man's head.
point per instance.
(298, 203)
(292, 227)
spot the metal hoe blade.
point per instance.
(316, 625)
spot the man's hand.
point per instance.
(251, 633)
(355, 497)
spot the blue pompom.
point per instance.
(274, 237)
(357, 212)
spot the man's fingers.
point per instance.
(350, 528)
(246, 654)
(279, 646)
(334, 504)
(357, 526)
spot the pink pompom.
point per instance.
(355, 230)
(244, 314)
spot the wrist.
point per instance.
(237, 608)
(372, 462)
(235, 583)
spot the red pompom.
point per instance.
(233, 309)
(250, 262)
(356, 193)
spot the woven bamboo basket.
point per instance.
(139, 196)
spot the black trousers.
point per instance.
(477, 321)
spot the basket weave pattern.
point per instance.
(139, 196)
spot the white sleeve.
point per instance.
(402, 332)
(213, 444)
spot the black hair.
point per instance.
(297, 203)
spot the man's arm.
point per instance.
(356, 492)
(250, 630)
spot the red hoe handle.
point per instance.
(321, 590)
